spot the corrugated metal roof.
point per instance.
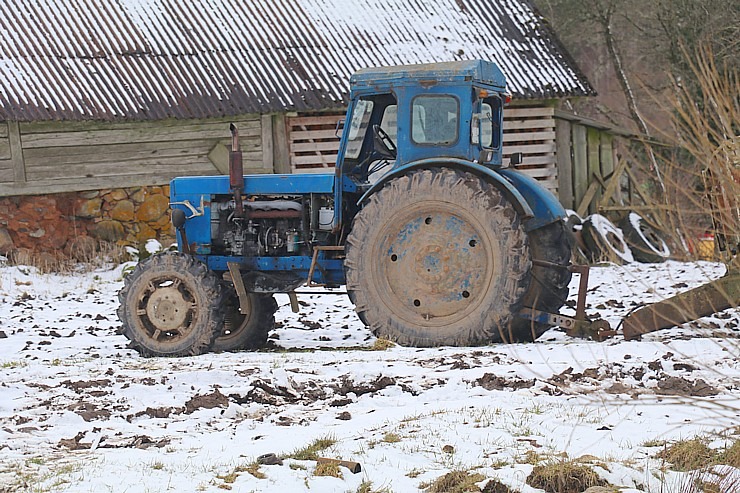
(155, 59)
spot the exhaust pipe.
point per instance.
(236, 170)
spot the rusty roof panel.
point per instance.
(155, 59)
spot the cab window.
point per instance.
(434, 120)
(486, 123)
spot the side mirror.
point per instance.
(516, 159)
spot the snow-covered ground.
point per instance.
(80, 412)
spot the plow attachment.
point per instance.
(705, 300)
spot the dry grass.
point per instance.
(695, 454)
(367, 487)
(702, 171)
(80, 254)
(458, 481)
(382, 344)
(564, 477)
(328, 469)
(687, 455)
(312, 450)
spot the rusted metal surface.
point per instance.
(705, 300)
(157, 59)
(236, 171)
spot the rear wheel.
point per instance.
(437, 257)
(245, 331)
(548, 288)
(169, 306)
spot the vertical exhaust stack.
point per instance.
(236, 170)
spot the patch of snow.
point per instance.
(79, 411)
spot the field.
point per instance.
(80, 412)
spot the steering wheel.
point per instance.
(381, 137)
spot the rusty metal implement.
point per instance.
(716, 296)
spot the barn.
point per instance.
(102, 102)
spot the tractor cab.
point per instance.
(401, 115)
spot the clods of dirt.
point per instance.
(681, 386)
(208, 401)
(489, 381)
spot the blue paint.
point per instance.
(454, 226)
(329, 271)
(461, 83)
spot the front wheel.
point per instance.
(246, 330)
(169, 306)
(437, 257)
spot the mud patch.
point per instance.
(681, 386)
(489, 381)
(207, 401)
(80, 442)
(88, 411)
(84, 385)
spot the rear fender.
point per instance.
(537, 206)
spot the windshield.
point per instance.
(357, 127)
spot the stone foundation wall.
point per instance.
(60, 222)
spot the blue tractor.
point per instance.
(436, 239)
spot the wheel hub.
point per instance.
(167, 309)
(436, 264)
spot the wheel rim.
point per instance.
(167, 309)
(435, 264)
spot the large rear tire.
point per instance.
(548, 288)
(245, 331)
(438, 257)
(169, 306)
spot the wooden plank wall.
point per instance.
(313, 142)
(6, 165)
(74, 156)
(586, 159)
(531, 131)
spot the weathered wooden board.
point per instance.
(6, 171)
(593, 137)
(580, 163)
(313, 141)
(50, 157)
(531, 131)
(114, 135)
(564, 163)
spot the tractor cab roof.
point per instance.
(478, 72)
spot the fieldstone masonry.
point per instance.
(59, 222)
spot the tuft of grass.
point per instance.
(458, 481)
(367, 487)
(328, 469)
(391, 437)
(253, 469)
(564, 477)
(13, 364)
(687, 455)
(654, 443)
(311, 451)
(382, 344)
(157, 465)
(496, 486)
